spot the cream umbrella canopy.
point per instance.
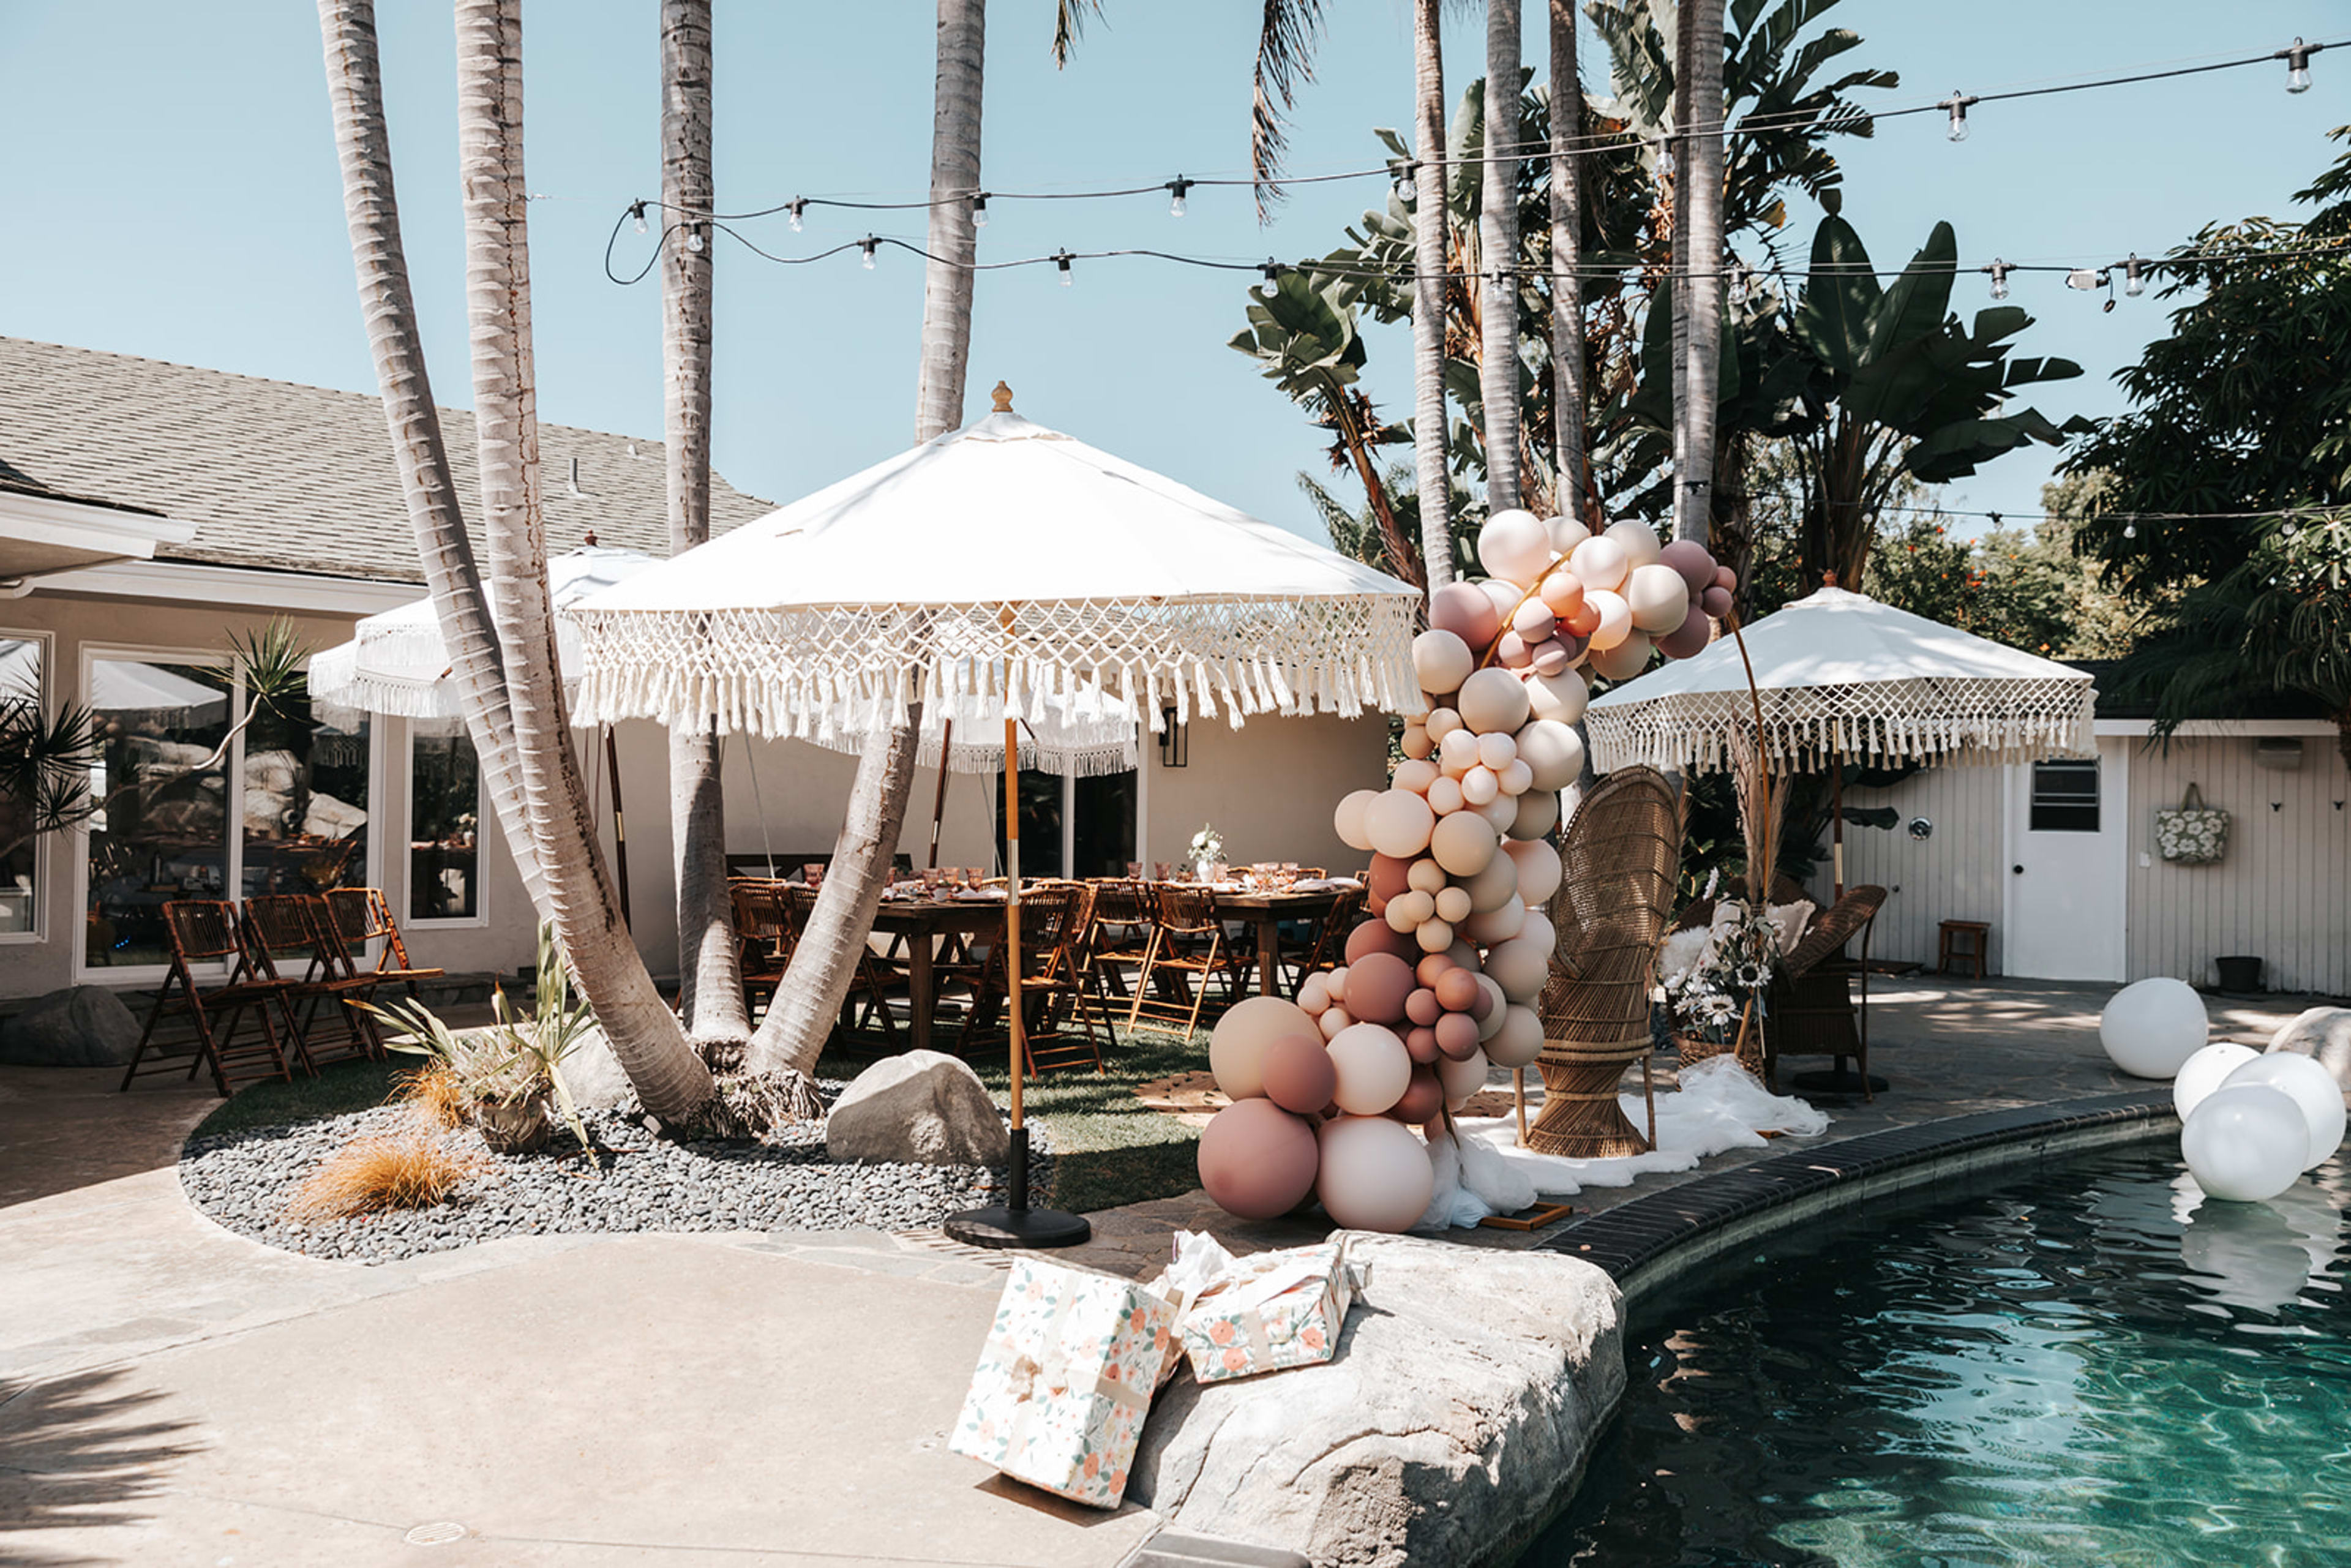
(1003, 560)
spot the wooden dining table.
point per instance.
(1266, 910)
(926, 925)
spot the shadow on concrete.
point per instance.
(79, 1451)
(65, 1128)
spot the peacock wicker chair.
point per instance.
(1810, 1009)
(1620, 858)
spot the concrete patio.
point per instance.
(171, 1393)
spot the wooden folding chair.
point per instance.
(298, 928)
(362, 914)
(766, 929)
(1118, 936)
(1324, 946)
(1187, 948)
(1064, 1029)
(201, 931)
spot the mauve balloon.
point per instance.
(1377, 936)
(1457, 1036)
(1690, 638)
(1389, 876)
(1510, 652)
(1377, 984)
(1552, 658)
(1456, 990)
(1298, 1074)
(1422, 1044)
(1689, 558)
(1257, 1160)
(1716, 601)
(1421, 1006)
(1724, 578)
(1463, 610)
(1423, 1097)
(1534, 621)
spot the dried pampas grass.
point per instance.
(368, 1175)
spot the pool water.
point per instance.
(2093, 1365)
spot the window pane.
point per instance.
(444, 827)
(20, 693)
(2064, 797)
(1041, 823)
(162, 832)
(305, 814)
(1105, 835)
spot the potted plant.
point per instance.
(1207, 853)
(1715, 978)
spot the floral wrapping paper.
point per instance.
(1065, 1381)
(1281, 1309)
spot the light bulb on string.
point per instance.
(1957, 104)
(1176, 189)
(1062, 258)
(1400, 175)
(2000, 271)
(1272, 271)
(796, 206)
(1664, 159)
(694, 238)
(637, 211)
(869, 245)
(2296, 56)
(979, 210)
(2134, 275)
(2130, 531)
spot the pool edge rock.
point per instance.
(1469, 1389)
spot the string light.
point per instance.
(1062, 258)
(796, 206)
(2130, 531)
(694, 238)
(2000, 271)
(2134, 275)
(1274, 271)
(1175, 188)
(637, 211)
(979, 209)
(1957, 104)
(869, 245)
(2296, 56)
(1400, 176)
(1665, 158)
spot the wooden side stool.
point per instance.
(1967, 942)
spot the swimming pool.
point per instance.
(2087, 1365)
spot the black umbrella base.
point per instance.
(1839, 1080)
(997, 1226)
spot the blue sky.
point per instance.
(172, 192)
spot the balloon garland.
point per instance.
(1441, 982)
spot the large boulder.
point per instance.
(925, 1107)
(1467, 1392)
(81, 1026)
(2322, 1034)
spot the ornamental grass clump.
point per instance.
(435, 1094)
(368, 1176)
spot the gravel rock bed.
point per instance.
(245, 1180)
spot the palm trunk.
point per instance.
(1566, 263)
(808, 1003)
(645, 1038)
(1677, 270)
(710, 981)
(371, 205)
(1498, 240)
(1702, 269)
(1430, 266)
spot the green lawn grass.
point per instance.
(341, 1088)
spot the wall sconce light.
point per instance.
(1174, 740)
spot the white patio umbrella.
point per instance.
(1840, 676)
(1005, 561)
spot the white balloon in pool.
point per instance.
(2151, 1029)
(2311, 1087)
(2245, 1142)
(2205, 1071)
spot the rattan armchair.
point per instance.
(1810, 1008)
(1620, 859)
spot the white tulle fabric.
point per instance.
(1841, 673)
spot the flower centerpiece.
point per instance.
(1207, 852)
(1715, 978)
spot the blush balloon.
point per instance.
(1257, 1160)
(1563, 594)
(1421, 1006)
(1420, 1043)
(1534, 620)
(1375, 936)
(1690, 639)
(1349, 819)
(1425, 876)
(1510, 652)
(1493, 700)
(1461, 609)
(1375, 1175)
(1377, 986)
(1457, 1036)
(1298, 1074)
(1236, 1049)
(1399, 820)
(1389, 876)
(1442, 659)
(1553, 658)
(1431, 967)
(1423, 1097)
(1724, 578)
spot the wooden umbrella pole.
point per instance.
(620, 826)
(1836, 818)
(1012, 965)
(1518, 1093)
(939, 797)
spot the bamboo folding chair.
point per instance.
(202, 931)
(299, 928)
(1323, 947)
(1064, 1030)
(1118, 936)
(1187, 948)
(362, 914)
(766, 929)
(1621, 857)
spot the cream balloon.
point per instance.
(1657, 595)
(1500, 812)
(1236, 1049)
(1497, 750)
(1444, 796)
(1519, 967)
(1493, 700)
(1625, 659)
(1560, 697)
(1553, 751)
(1599, 562)
(1374, 1174)
(1478, 786)
(1332, 1019)
(1435, 935)
(1452, 907)
(2203, 1072)
(1463, 843)
(1373, 1069)
(1515, 545)
(1639, 542)
(1405, 911)
(1615, 618)
(1497, 1005)
(1425, 875)
(1538, 868)
(1539, 928)
(1313, 995)
(1443, 661)
(1537, 814)
(1519, 1039)
(2310, 1086)
(1354, 830)
(1464, 1077)
(1441, 722)
(1415, 776)
(1496, 926)
(1517, 779)
(1398, 824)
(1457, 752)
(1495, 886)
(1566, 533)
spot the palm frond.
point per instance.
(1285, 57)
(1069, 22)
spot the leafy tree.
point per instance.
(2024, 588)
(2245, 408)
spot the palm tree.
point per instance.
(710, 984)
(1566, 261)
(363, 148)
(1430, 266)
(646, 1035)
(1497, 247)
(1699, 278)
